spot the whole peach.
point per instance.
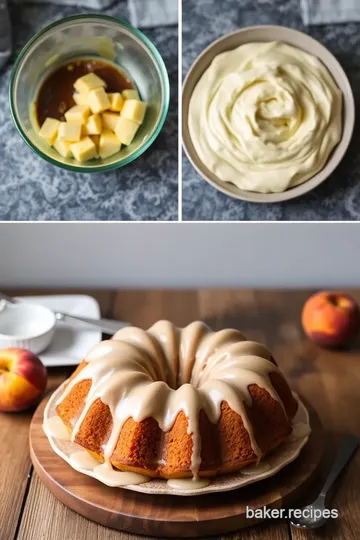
(22, 379)
(331, 318)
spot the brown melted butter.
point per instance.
(55, 96)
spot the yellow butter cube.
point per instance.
(88, 82)
(84, 149)
(126, 130)
(116, 101)
(77, 114)
(134, 110)
(109, 144)
(49, 130)
(69, 132)
(110, 119)
(96, 141)
(130, 94)
(94, 125)
(81, 99)
(63, 147)
(98, 100)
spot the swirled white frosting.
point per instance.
(265, 116)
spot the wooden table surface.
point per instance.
(329, 380)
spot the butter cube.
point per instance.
(116, 101)
(130, 94)
(98, 100)
(109, 144)
(94, 125)
(134, 110)
(49, 130)
(63, 147)
(77, 114)
(84, 150)
(125, 130)
(96, 141)
(81, 99)
(88, 82)
(69, 132)
(110, 120)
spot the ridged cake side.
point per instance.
(211, 362)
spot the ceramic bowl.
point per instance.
(96, 36)
(265, 34)
(26, 326)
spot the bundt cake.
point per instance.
(177, 403)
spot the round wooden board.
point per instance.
(171, 516)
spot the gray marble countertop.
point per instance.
(338, 198)
(31, 189)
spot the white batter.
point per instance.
(265, 116)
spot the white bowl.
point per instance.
(296, 39)
(26, 326)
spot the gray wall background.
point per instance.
(180, 255)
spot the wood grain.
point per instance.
(163, 515)
(144, 308)
(15, 464)
(54, 521)
(14, 469)
(329, 380)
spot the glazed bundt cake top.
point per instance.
(159, 372)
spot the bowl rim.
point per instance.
(51, 322)
(165, 106)
(296, 191)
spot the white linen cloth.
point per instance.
(150, 13)
(142, 14)
(329, 11)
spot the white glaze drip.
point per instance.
(188, 484)
(256, 468)
(300, 431)
(83, 460)
(55, 427)
(113, 478)
(160, 372)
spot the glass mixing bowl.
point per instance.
(96, 36)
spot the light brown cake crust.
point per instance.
(143, 447)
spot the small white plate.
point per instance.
(69, 344)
